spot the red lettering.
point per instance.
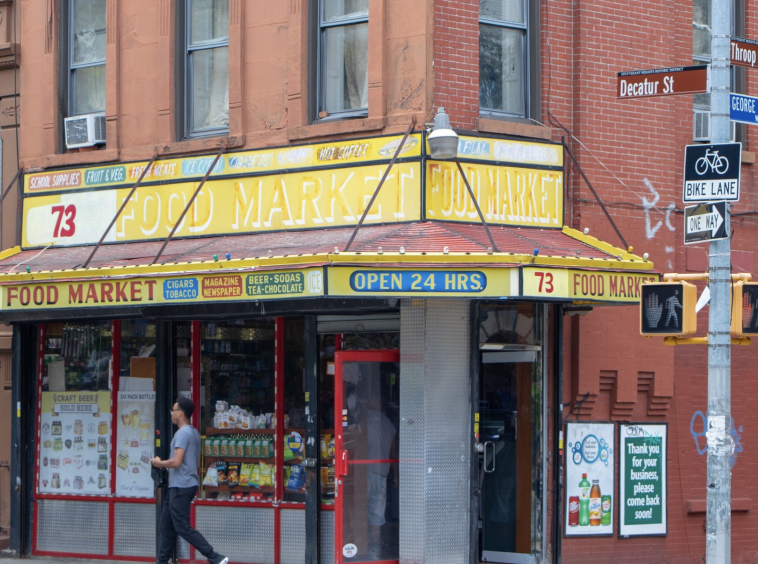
(12, 294)
(614, 285)
(136, 291)
(91, 293)
(576, 282)
(630, 286)
(39, 295)
(121, 292)
(150, 285)
(106, 291)
(26, 295)
(52, 295)
(75, 293)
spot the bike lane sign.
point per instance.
(712, 172)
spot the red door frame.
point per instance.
(340, 357)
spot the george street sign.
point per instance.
(743, 108)
(705, 222)
(662, 82)
(743, 52)
(712, 172)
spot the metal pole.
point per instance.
(719, 485)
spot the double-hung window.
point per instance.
(207, 67)
(343, 61)
(86, 57)
(503, 57)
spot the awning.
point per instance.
(422, 259)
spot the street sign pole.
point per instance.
(719, 437)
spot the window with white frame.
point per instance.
(206, 67)
(503, 57)
(86, 57)
(343, 60)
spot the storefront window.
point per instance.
(513, 324)
(135, 408)
(75, 409)
(237, 392)
(294, 406)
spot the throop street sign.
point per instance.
(743, 108)
(743, 52)
(712, 172)
(662, 82)
(705, 222)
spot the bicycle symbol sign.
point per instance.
(712, 172)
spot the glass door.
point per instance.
(507, 406)
(366, 390)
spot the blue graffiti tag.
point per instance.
(696, 435)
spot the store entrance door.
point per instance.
(506, 434)
(367, 407)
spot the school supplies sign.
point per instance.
(590, 484)
(642, 471)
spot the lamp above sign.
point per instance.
(662, 82)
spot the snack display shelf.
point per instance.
(225, 488)
(212, 431)
(242, 459)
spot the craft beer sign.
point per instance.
(662, 82)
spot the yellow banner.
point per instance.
(509, 151)
(423, 282)
(506, 195)
(239, 163)
(584, 285)
(76, 403)
(180, 289)
(300, 200)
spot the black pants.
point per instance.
(175, 520)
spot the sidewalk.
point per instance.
(48, 560)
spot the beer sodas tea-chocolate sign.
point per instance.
(590, 487)
(642, 471)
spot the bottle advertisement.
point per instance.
(642, 475)
(134, 440)
(75, 435)
(590, 486)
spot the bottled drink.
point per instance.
(573, 511)
(606, 509)
(595, 504)
(584, 502)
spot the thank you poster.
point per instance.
(589, 478)
(642, 472)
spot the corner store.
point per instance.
(473, 326)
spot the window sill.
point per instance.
(336, 127)
(503, 127)
(202, 144)
(748, 157)
(72, 159)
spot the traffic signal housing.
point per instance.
(667, 309)
(744, 309)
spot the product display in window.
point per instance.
(77, 357)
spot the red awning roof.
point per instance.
(414, 237)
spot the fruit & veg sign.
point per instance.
(590, 486)
(642, 475)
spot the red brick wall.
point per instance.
(456, 60)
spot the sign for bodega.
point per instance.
(556, 283)
(662, 82)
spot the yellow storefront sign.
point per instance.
(200, 288)
(584, 285)
(299, 200)
(510, 151)
(423, 282)
(76, 403)
(506, 195)
(354, 151)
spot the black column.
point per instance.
(557, 430)
(164, 400)
(312, 447)
(475, 470)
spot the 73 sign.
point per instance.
(545, 282)
(64, 222)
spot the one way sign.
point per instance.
(705, 222)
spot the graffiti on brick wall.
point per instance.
(649, 206)
(700, 421)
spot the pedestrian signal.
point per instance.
(667, 309)
(744, 309)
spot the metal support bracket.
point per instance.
(476, 205)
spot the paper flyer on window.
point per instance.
(75, 435)
(134, 438)
(590, 486)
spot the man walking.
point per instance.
(183, 483)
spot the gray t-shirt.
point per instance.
(186, 475)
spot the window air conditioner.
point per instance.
(84, 131)
(701, 126)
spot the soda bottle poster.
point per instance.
(642, 475)
(590, 487)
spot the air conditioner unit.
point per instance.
(84, 131)
(701, 125)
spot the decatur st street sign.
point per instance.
(662, 82)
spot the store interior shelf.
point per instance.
(225, 488)
(211, 431)
(241, 459)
